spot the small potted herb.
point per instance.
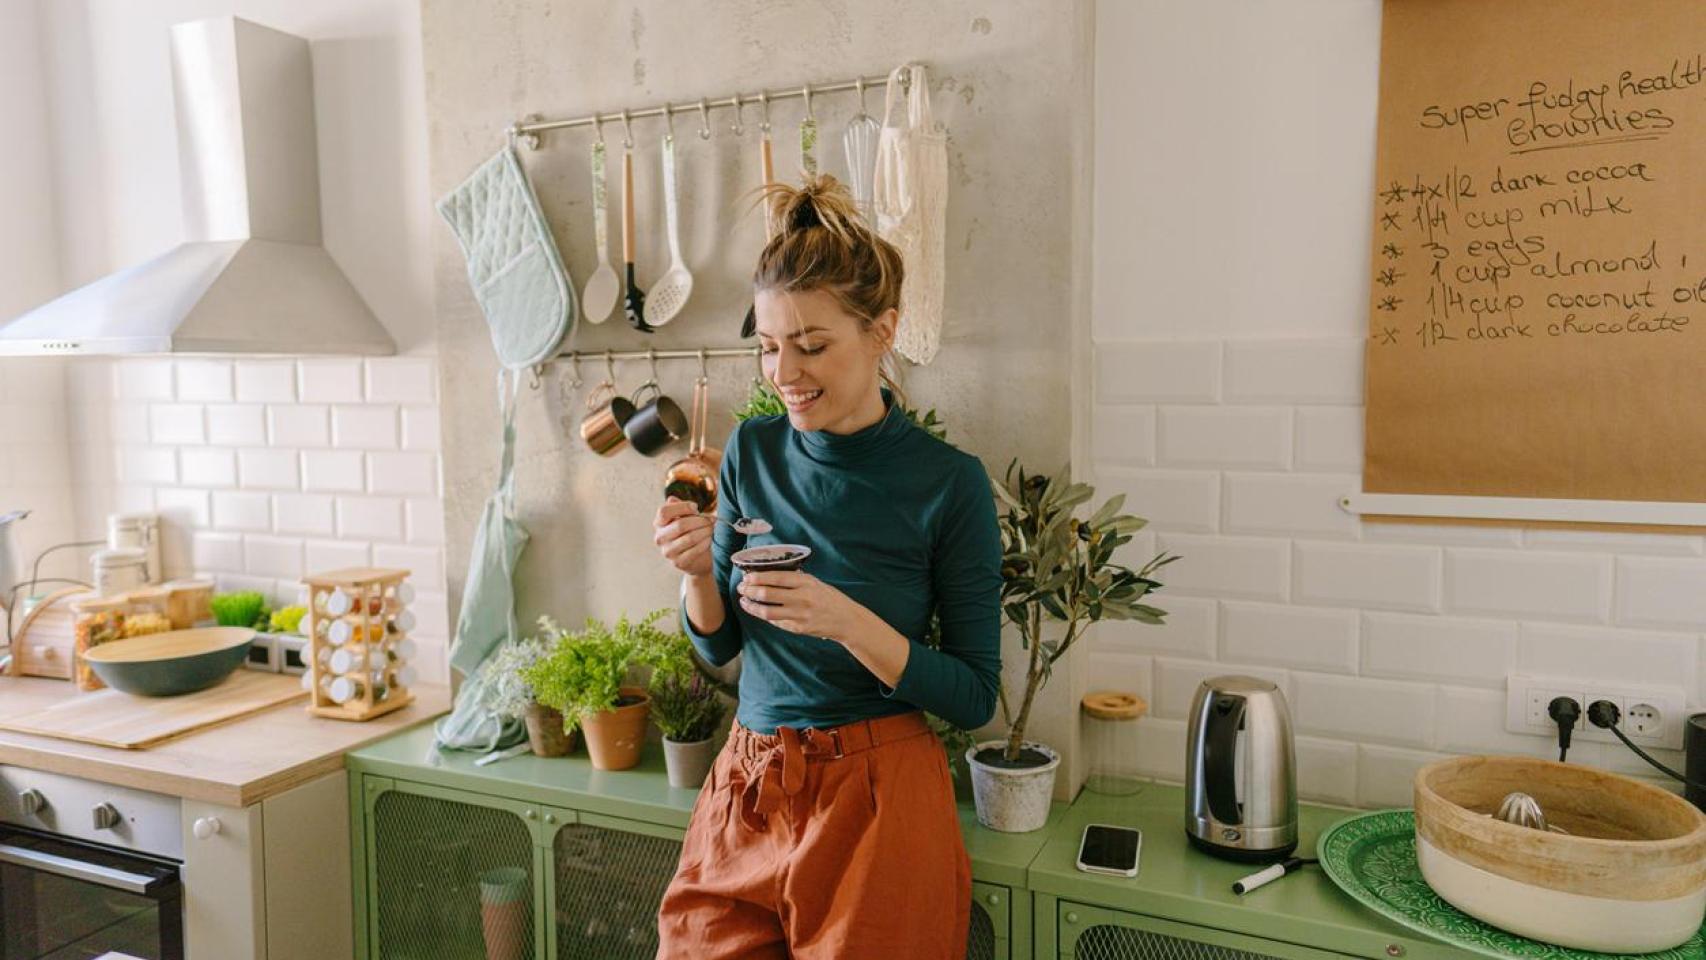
(689, 711)
(582, 676)
(510, 695)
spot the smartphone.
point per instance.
(1110, 849)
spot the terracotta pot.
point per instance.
(545, 733)
(614, 737)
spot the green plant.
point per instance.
(245, 608)
(582, 671)
(286, 619)
(1059, 567)
(685, 705)
(508, 693)
(761, 401)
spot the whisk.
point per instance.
(860, 142)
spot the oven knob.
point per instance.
(32, 801)
(106, 816)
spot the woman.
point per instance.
(827, 827)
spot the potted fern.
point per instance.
(1056, 568)
(583, 676)
(689, 711)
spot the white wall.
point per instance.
(1234, 186)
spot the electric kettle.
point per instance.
(1240, 771)
(8, 559)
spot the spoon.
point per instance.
(750, 526)
(604, 287)
(670, 293)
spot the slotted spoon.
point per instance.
(603, 288)
(670, 293)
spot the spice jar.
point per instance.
(120, 571)
(1110, 737)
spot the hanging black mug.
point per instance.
(657, 422)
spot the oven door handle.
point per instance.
(95, 873)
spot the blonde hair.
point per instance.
(820, 241)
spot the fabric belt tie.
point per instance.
(781, 765)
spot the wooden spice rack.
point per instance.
(372, 604)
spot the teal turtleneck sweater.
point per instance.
(898, 520)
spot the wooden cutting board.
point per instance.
(111, 718)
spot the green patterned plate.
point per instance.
(1372, 857)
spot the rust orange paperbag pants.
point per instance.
(819, 844)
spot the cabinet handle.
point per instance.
(993, 899)
(1071, 917)
(550, 818)
(529, 813)
(205, 827)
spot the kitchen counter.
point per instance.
(235, 764)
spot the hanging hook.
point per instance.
(669, 119)
(807, 91)
(627, 130)
(704, 119)
(652, 358)
(704, 371)
(859, 84)
(764, 100)
(575, 362)
(598, 126)
(533, 376)
(610, 367)
(737, 128)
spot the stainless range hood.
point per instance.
(251, 276)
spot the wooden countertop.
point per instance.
(235, 764)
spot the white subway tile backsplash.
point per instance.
(278, 557)
(148, 465)
(216, 551)
(1526, 583)
(266, 381)
(1187, 631)
(370, 518)
(1176, 682)
(324, 556)
(1359, 708)
(1441, 534)
(1602, 542)
(1158, 372)
(1257, 438)
(182, 508)
(1127, 673)
(1368, 575)
(265, 586)
(340, 471)
(329, 381)
(242, 511)
(420, 428)
(1602, 653)
(208, 467)
(308, 425)
(1438, 649)
(400, 380)
(425, 564)
(1310, 638)
(303, 513)
(1473, 721)
(1290, 503)
(1294, 371)
(1329, 439)
(176, 423)
(1386, 775)
(402, 473)
(1661, 592)
(1169, 499)
(426, 520)
(129, 422)
(145, 380)
(1122, 435)
(1327, 771)
(1258, 569)
(365, 428)
(237, 425)
(207, 381)
(1161, 749)
(432, 612)
(264, 469)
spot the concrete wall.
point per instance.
(1009, 79)
(1230, 308)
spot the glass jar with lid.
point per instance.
(1110, 740)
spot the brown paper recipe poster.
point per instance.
(1538, 310)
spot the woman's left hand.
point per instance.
(801, 603)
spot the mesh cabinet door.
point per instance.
(609, 883)
(989, 933)
(1095, 933)
(449, 877)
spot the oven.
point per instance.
(88, 870)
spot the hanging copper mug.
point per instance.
(694, 477)
(607, 412)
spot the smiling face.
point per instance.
(822, 360)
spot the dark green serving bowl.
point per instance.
(168, 664)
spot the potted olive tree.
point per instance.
(687, 709)
(1056, 569)
(583, 676)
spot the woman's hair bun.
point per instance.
(821, 201)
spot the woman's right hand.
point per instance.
(683, 536)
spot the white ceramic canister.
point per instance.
(119, 571)
(138, 531)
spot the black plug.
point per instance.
(1564, 711)
(1604, 714)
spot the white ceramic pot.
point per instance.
(688, 763)
(1012, 800)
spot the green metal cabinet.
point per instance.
(1088, 932)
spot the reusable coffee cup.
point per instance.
(657, 423)
(504, 895)
(608, 411)
(771, 556)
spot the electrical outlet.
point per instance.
(1650, 715)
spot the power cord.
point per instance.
(1605, 715)
(1565, 712)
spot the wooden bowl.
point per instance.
(1629, 877)
(168, 664)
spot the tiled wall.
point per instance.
(1392, 642)
(265, 470)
